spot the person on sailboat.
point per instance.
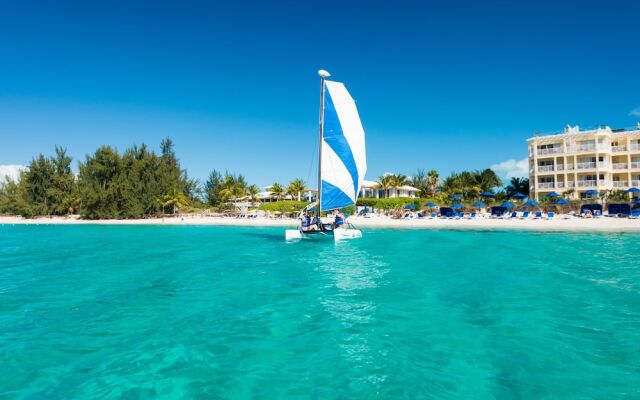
(339, 219)
(305, 221)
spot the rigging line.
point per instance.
(313, 159)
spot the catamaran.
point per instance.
(342, 162)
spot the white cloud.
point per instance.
(10, 171)
(512, 169)
(635, 112)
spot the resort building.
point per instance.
(370, 190)
(576, 161)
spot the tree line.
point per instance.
(139, 182)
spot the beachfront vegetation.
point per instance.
(134, 184)
(284, 206)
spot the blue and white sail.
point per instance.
(344, 161)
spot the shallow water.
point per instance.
(237, 313)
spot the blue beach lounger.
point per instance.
(635, 214)
(550, 215)
(525, 215)
(513, 215)
(538, 215)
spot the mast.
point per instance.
(323, 75)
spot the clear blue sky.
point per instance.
(443, 85)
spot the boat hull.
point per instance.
(335, 235)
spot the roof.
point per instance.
(408, 188)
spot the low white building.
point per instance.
(370, 190)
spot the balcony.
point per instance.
(571, 184)
(619, 184)
(586, 165)
(619, 165)
(588, 148)
(635, 164)
(569, 167)
(552, 150)
(634, 147)
(560, 185)
(618, 149)
(593, 183)
(545, 185)
(635, 183)
(545, 168)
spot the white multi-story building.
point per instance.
(579, 160)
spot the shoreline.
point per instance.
(559, 224)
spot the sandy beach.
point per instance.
(559, 223)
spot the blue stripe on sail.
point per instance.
(333, 197)
(334, 137)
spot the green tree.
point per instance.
(174, 199)
(517, 185)
(277, 191)
(296, 187)
(385, 183)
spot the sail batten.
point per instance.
(343, 153)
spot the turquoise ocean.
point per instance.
(142, 312)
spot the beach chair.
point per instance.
(473, 215)
(449, 215)
(408, 216)
(635, 214)
(420, 216)
(433, 216)
(538, 215)
(525, 215)
(513, 215)
(550, 215)
(461, 215)
(597, 213)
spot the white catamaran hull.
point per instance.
(336, 235)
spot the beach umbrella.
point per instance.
(430, 204)
(479, 204)
(518, 196)
(410, 207)
(561, 202)
(553, 194)
(531, 203)
(455, 197)
(633, 190)
(487, 194)
(591, 192)
(507, 204)
(456, 206)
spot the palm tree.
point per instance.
(385, 183)
(398, 180)
(432, 181)
(233, 188)
(252, 191)
(518, 185)
(175, 198)
(296, 187)
(487, 179)
(277, 190)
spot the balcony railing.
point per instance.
(635, 164)
(593, 183)
(617, 149)
(569, 167)
(551, 150)
(619, 184)
(586, 165)
(545, 185)
(545, 168)
(588, 147)
(619, 165)
(560, 185)
(635, 183)
(571, 184)
(634, 147)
